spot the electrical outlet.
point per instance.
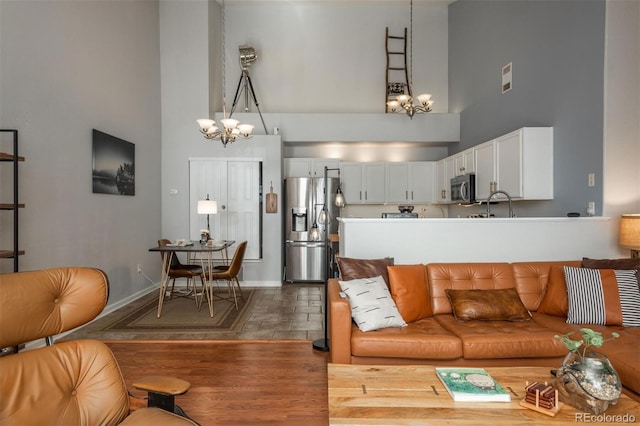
(139, 268)
(592, 179)
(591, 208)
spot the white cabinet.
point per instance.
(309, 167)
(519, 163)
(422, 182)
(524, 163)
(396, 182)
(443, 185)
(485, 155)
(413, 182)
(463, 162)
(363, 183)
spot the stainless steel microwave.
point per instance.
(463, 188)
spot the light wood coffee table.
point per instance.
(403, 395)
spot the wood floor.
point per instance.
(236, 382)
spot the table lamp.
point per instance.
(630, 233)
(208, 207)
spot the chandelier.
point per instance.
(405, 103)
(231, 128)
(230, 131)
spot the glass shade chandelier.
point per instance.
(230, 131)
(231, 128)
(405, 103)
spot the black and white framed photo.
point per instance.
(113, 165)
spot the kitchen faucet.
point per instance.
(489, 203)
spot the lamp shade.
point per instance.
(630, 231)
(207, 207)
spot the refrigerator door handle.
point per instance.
(305, 244)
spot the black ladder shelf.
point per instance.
(396, 49)
(14, 158)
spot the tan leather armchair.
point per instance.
(70, 383)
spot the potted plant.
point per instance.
(586, 379)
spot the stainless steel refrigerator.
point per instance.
(305, 258)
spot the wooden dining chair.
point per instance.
(230, 275)
(178, 269)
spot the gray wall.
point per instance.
(557, 51)
(68, 67)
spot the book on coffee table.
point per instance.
(471, 384)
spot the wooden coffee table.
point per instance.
(412, 394)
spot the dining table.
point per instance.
(197, 252)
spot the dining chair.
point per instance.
(178, 269)
(230, 275)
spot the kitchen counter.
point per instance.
(479, 240)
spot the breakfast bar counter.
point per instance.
(479, 240)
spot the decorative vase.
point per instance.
(589, 382)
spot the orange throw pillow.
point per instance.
(408, 285)
(555, 301)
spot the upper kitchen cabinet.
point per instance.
(410, 182)
(363, 183)
(485, 155)
(519, 163)
(443, 183)
(464, 162)
(310, 167)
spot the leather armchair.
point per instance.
(70, 383)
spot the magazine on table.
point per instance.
(471, 384)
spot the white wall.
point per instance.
(622, 112)
(184, 35)
(329, 56)
(411, 241)
(68, 67)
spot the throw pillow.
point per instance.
(408, 285)
(371, 304)
(351, 269)
(487, 305)
(619, 264)
(603, 296)
(555, 301)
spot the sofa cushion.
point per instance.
(487, 305)
(422, 339)
(602, 296)
(351, 269)
(465, 276)
(372, 306)
(555, 301)
(624, 264)
(408, 285)
(532, 279)
(503, 339)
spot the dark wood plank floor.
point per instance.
(236, 382)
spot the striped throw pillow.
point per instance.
(602, 296)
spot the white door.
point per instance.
(235, 185)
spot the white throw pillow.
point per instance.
(372, 306)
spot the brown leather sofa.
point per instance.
(441, 339)
(69, 383)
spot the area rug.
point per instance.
(180, 318)
(180, 313)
